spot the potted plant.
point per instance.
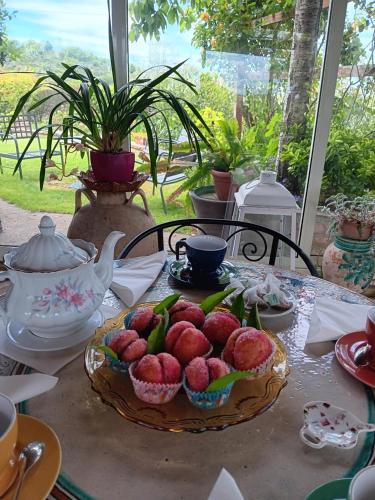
(104, 118)
(349, 259)
(351, 218)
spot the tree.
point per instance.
(5, 47)
(301, 72)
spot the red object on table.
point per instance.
(346, 348)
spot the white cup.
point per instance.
(362, 486)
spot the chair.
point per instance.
(23, 128)
(249, 250)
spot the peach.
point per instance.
(134, 351)
(174, 332)
(149, 369)
(162, 368)
(144, 320)
(171, 368)
(122, 339)
(247, 348)
(201, 372)
(184, 310)
(186, 342)
(219, 325)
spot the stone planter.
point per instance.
(349, 263)
(108, 212)
(207, 205)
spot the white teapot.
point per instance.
(56, 286)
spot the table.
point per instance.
(108, 457)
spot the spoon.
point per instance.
(28, 457)
(361, 355)
(326, 424)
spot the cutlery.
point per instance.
(28, 457)
(326, 424)
(360, 356)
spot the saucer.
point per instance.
(337, 489)
(220, 279)
(23, 338)
(40, 480)
(345, 350)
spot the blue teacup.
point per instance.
(204, 252)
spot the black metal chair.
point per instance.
(249, 250)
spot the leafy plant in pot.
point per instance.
(231, 150)
(351, 218)
(103, 118)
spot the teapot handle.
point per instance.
(141, 193)
(3, 276)
(78, 199)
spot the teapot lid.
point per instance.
(48, 251)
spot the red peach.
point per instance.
(184, 310)
(149, 369)
(174, 332)
(219, 325)
(135, 350)
(248, 349)
(197, 374)
(190, 344)
(142, 321)
(217, 368)
(122, 339)
(171, 368)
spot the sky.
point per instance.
(67, 23)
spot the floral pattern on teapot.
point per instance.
(66, 295)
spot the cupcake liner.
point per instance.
(116, 365)
(208, 400)
(261, 369)
(128, 318)
(153, 393)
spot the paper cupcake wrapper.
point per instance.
(128, 318)
(148, 392)
(261, 369)
(116, 365)
(208, 400)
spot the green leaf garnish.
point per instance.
(107, 350)
(222, 382)
(155, 341)
(253, 318)
(166, 303)
(238, 307)
(213, 300)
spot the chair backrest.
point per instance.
(22, 128)
(250, 251)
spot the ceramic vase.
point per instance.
(112, 167)
(349, 263)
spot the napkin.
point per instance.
(134, 276)
(22, 387)
(46, 362)
(225, 488)
(331, 319)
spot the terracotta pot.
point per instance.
(112, 167)
(355, 230)
(108, 212)
(223, 184)
(349, 263)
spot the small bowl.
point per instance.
(115, 365)
(208, 400)
(276, 321)
(153, 393)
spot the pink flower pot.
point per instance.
(112, 167)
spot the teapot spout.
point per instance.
(104, 267)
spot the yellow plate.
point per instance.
(247, 400)
(42, 477)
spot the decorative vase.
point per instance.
(355, 230)
(223, 183)
(112, 167)
(349, 263)
(108, 211)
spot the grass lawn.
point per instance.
(58, 197)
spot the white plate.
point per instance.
(23, 338)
